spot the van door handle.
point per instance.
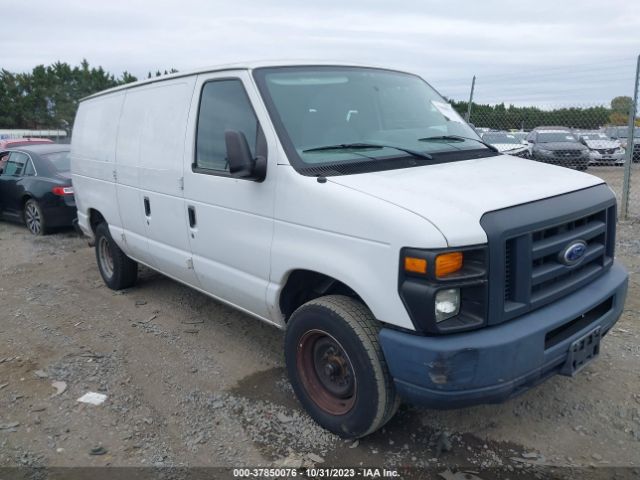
(147, 207)
(192, 216)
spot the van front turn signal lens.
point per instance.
(448, 263)
(415, 265)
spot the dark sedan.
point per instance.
(35, 187)
(559, 147)
(622, 135)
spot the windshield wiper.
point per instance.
(359, 146)
(458, 138)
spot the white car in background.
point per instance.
(603, 150)
(507, 143)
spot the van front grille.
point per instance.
(508, 271)
(526, 246)
(549, 278)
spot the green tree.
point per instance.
(621, 104)
(501, 117)
(48, 97)
(620, 108)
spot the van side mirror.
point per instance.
(241, 163)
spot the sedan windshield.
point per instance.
(623, 132)
(500, 138)
(594, 136)
(60, 160)
(322, 112)
(552, 137)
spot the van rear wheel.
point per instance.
(337, 368)
(117, 270)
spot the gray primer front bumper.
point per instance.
(494, 363)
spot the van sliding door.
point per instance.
(152, 137)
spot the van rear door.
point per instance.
(94, 170)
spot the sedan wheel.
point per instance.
(33, 218)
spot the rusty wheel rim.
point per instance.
(326, 372)
(106, 259)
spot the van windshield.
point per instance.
(364, 115)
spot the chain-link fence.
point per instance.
(631, 181)
(602, 138)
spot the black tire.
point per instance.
(34, 218)
(348, 324)
(118, 271)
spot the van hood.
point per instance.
(454, 196)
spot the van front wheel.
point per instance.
(337, 368)
(117, 270)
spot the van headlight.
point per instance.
(445, 290)
(447, 304)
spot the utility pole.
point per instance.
(473, 85)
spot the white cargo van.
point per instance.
(353, 207)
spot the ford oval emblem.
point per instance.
(573, 253)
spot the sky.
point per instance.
(543, 52)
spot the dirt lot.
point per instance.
(190, 382)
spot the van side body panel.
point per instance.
(93, 153)
(347, 235)
(150, 161)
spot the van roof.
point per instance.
(251, 65)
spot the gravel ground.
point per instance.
(191, 382)
(614, 176)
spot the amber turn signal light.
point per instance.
(415, 265)
(448, 263)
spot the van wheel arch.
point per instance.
(305, 285)
(95, 219)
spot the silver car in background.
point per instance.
(506, 142)
(603, 150)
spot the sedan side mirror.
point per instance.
(241, 163)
